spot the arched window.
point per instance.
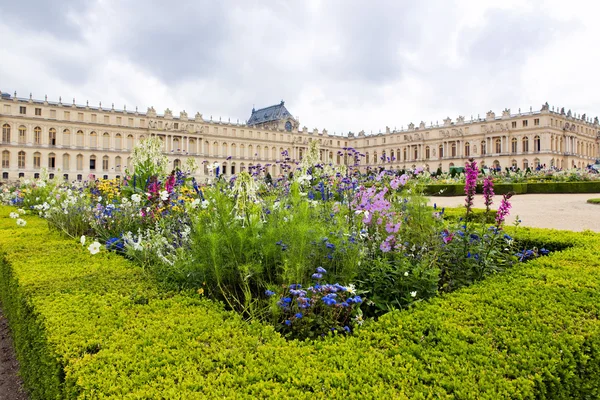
(483, 148)
(441, 151)
(525, 164)
(37, 160)
(288, 126)
(525, 145)
(225, 150)
(427, 152)
(21, 160)
(6, 159)
(118, 163)
(106, 140)
(79, 161)
(79, 142)
(375, 160)
(467, 149)
(498, 144)
(51, 161)
(92, 163)
(453, 149)
(177, 163)
(52, 137)
(37, 135)
(250, 151)
(416, 153)
(93, 140)
(404, 155)
(6, 133)
(129, 142)
(118, 141)
(537, 144)
(496, 164)
(66, 162)
(368, 158)
(536, 162)
(66, 138)
(22, 134)
(176, 146)
(215, 149)
(513, 163)
(192, 149)
(105, 163)
(513, 145)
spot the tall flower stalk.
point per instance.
(503, 210)
(488, 193)
(470, 185)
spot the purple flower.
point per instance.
(488, 192)
(321, 270)
(470, 183)
(269, 293)
(317, 276)
(503, 209)
(385, 246)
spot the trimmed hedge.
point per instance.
(96, 327)
(594, 201)
(518, 188)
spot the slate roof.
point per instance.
(267, 114)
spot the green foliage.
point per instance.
(594, 201)
(518, 188)
(96, 327)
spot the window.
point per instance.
(6, 109)
(66, 138)
(142, 123)
(498, 144)
(467, 149)
(67, 115)
(483, 147)
(37, 160)
(453, 149)
(525, 144)
(79, 139)
(5, 175)
(66, 162)
(79, 161)
(94, 118)
(52, 137)
(537, 144)
(177, 164)
(79, 177)
(22, 110)
(53, 114)
(176, 126)
(118, 141)
(513, 145)
(105, 163)
(441, 151)
(525, 122)
(536, 122)
(37, 135)
(106, 140)
(21, 160)
(513, 124)
(51, 161)
(5, 159)
(22, 134)
(129, 142)
(118, 120)
(93, 140)
(80, 117)
(6, 133)
(107, 119)
(92, 163)
(130, 121)
(513, 164)
(38, 111)
(118, 163)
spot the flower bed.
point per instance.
(96, 326)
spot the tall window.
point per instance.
(37, 160)
(525, 144)
(513, 145)
(92, 163)
(483, 147)
(118, 163)
(66, 138)
(106, 141)
(537, 144)
(51, 161)
(118, 140)
(6, 133)
(525, 164)
(22, 134)
(498, 144)
(467, 149)
(415, 153)
(66, 162)
(404, 157)
(105, 163)
(79, 162)
(5, 159)
(453, 149)
(93, 140)
(427, 152)
(177, 164)
(441, 151)
(37, 135)
(79, 140)
(129, 142)
(21, 160)
(52, 137)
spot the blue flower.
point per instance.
(357, 299)
(298, 315)
(269, 293)
(288, 322)
(317, 276)
(347, 329)
(329, 301)
(507, 237)
(286, 300)
(295, 286)
(330, 246)
(321, 270)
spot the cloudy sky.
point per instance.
(343, 65)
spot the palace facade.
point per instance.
(79, 142)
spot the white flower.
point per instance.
(99, 198)
(82, 240)
(21, 211)
(21, 222)
(413, 294)
(195, 203)
(351, 288)
(13, 215)
(406, 273)
(205, 204)
(136, 198)
(164, 195)
(94, 248)
(304, 179)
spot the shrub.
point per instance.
(594, 201)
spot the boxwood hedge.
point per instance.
(518, 188)
(96, 327)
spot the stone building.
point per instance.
(82, 142)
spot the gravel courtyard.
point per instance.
(559, 211)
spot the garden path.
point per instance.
(558, 211)
(11, 386)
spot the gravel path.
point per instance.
(559, 211)
(11, 387)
